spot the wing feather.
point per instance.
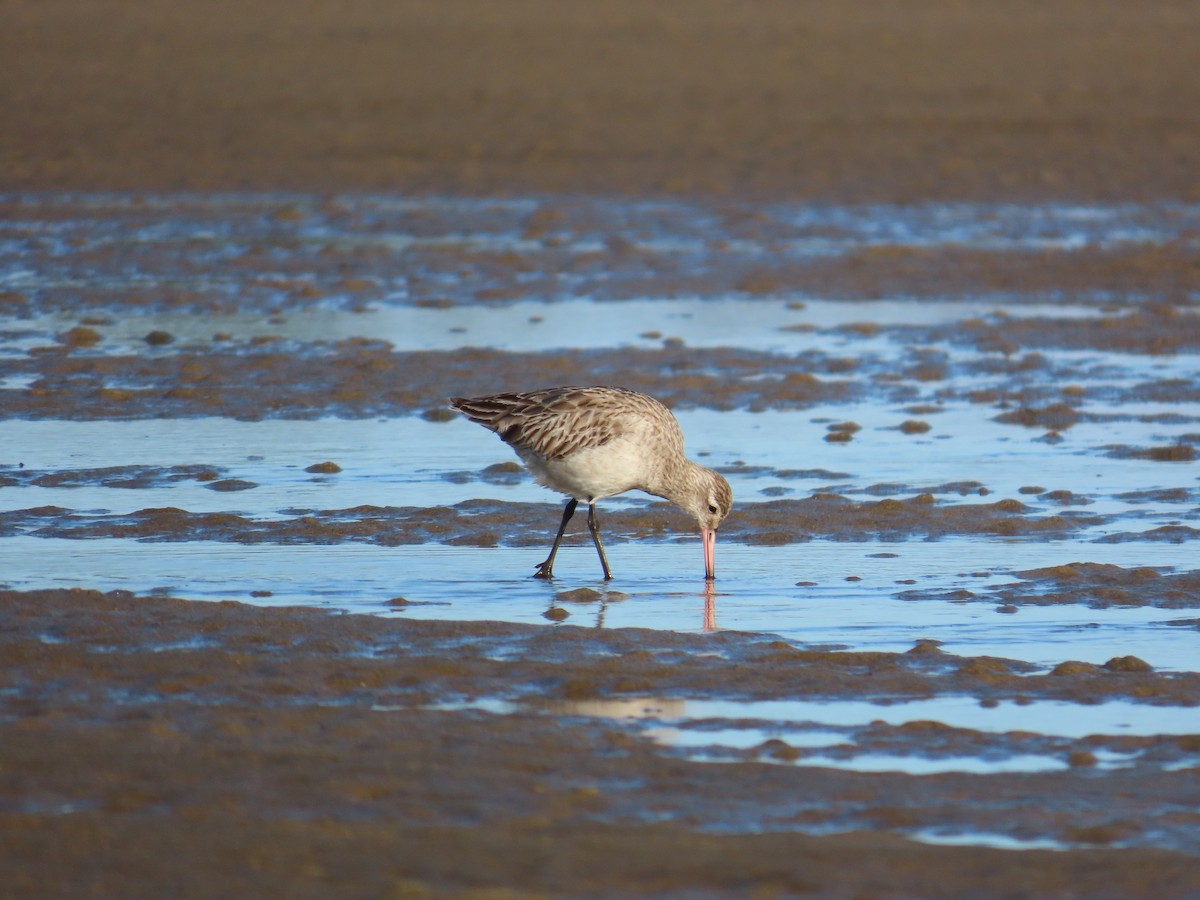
(556, 422)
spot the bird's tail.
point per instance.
(486, 411)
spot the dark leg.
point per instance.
(545, 569)
(596, 538)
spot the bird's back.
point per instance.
(555, 423)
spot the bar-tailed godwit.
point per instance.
(595, 442)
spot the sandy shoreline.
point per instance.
(901, 102)
(156, 747)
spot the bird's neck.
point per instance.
(679, 481)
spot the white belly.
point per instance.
(613, 468)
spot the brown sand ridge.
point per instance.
(896, 101)
(158, 747)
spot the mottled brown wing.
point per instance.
(552, 423)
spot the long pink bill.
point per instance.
(709, 538)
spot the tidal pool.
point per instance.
(177, 374)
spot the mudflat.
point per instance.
(155, 746)
(151, 746)
(897, 101)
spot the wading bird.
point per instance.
(595, 442)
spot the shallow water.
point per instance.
(757, 588)
(838, 734)
(233, 273)
(536, 325)
(442, 582)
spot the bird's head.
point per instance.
(708, 498)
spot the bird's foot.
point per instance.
(545, 570)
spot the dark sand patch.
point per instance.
(358, 377)
(890, 102)
(131, 477)
(292, 749)
(366, 378)
(1097, 585)
(488, 523)
(184, 260)
(1156, 329)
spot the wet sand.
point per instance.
(151, 746)
(160, 746)
(798, 100)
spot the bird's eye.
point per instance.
(712, 509)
